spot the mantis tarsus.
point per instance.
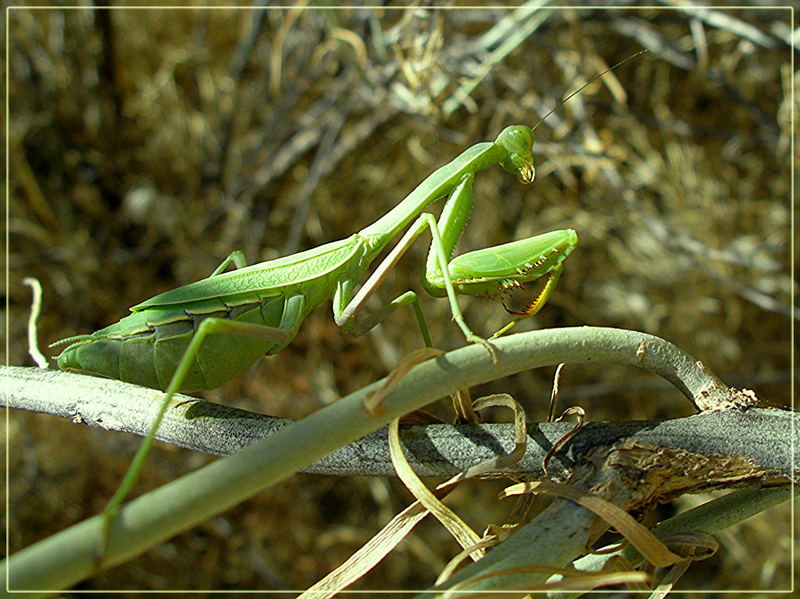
(176, 341)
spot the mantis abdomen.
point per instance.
(145, 347)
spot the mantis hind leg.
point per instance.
(279, 335)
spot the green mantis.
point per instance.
(202, 334)
(174, 340)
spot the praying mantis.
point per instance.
(169, 343)
(202, 334)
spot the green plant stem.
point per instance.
(68, 556)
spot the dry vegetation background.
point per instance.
(145, 145)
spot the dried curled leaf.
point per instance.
(366, 558)
(502, 461)
(639, 536)
(465, 536)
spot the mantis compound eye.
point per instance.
(517, 141)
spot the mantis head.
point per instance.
(517, 141)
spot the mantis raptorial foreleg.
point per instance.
(490, 271)
(538, 302)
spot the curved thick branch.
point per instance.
(760, 435)
(120, 406)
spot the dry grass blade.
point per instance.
(620, 564)
(453, 564)
(350, 37)
(276, 58)
(724, 21)
(532, 19)
(36, 308)
(551, 413)
(558, 445)
(462, 406)
(493, 534)
(501, 461)
(519, 514)
(670, 578)
(686, 544)
(366, 558)
(36, 199)
(697, 545)
(465, 536)
(639, 536)
(571, 579)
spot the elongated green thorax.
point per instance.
(513, 150)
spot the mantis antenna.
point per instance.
(587, 84)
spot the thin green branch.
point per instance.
(69, 556)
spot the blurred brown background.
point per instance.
(145, 145)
